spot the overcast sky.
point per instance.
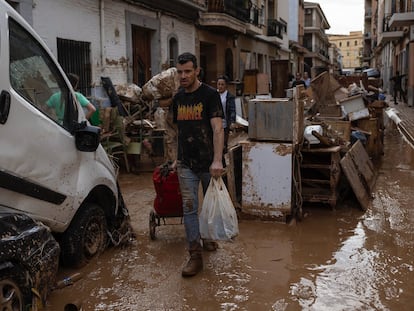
(343, 15)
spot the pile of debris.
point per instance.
(339, 116)
(344, 131)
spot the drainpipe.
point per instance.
(102, 33)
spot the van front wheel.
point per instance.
(85, 238)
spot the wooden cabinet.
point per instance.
(250, 82)
(320, 172)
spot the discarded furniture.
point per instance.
(320, 172)
(374, 145)
(354, 107)
(267, 179)
(360, 173)
(324, 87)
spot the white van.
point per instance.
(52, 166)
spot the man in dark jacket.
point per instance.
(229, 107)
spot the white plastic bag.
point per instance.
(218, 218)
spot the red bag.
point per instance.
(168, 201)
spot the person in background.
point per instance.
(298, 80)
(55, 102)
(84, 102)
(397, 89)
(198, 113)
(306, 79)
(229, 108)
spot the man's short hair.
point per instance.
(187, 57)
(224, 77)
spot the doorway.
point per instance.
(141, 55)
(208, 62)
(280, 80)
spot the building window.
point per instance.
(347, 43)
(172, 51)
(356, 42)
(74, 57)
(340, 44)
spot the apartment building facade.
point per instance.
(389, 43)
(351, 47)
(315, 39)
(132, 40)
(296, 33)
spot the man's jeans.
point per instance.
(189, 185)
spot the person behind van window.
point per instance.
(55, 101)
(228, 101)
(298, 80)
(198, 113)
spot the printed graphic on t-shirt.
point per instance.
(190, 112)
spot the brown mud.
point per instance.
(342, 259)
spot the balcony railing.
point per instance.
(235, 8)
(276, 28)
(401, 19)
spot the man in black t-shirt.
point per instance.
(198, 113)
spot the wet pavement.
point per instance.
(342, 259)
(403, 117)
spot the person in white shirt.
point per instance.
(307, 79)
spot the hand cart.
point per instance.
(168, 201)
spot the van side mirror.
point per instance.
(87, 138)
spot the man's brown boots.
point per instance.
(209, 245)
(195, 263)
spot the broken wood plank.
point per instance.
(360, 173)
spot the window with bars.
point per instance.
(74, 57)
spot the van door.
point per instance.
(39, 164)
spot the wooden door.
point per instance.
(141, 55)
(280, 79)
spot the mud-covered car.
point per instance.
(29, 261)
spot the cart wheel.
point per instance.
(152, 225)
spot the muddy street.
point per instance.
(344, 259)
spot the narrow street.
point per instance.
(343, 259)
